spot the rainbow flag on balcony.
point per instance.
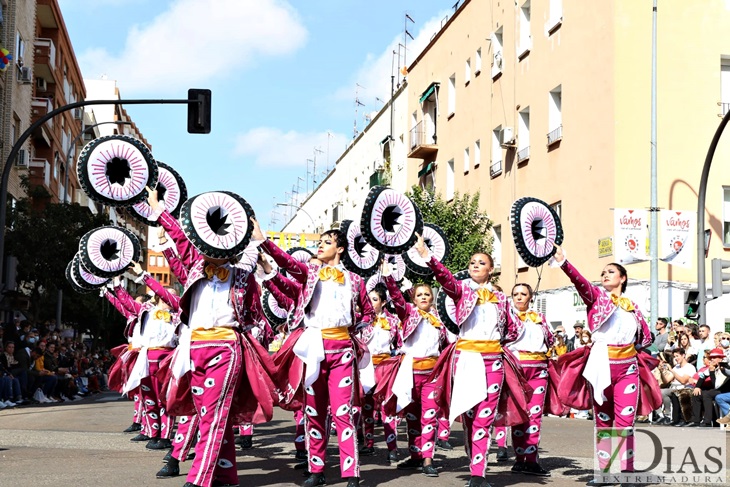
(5, 58)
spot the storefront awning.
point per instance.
(429, 91)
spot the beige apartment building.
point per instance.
(551, 99)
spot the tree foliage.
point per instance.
(466, 227)
(44, 241)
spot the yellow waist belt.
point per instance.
(380, 357)
(159, 348)
(617, 353)
(213, 334)
(425, 363)
(533, 356)
(339, 333)
(480, 346)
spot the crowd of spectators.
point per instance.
(45, 363)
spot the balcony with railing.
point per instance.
(41, 107)
(45, 58)
(523, 154)
(724, 108)
(40, 169)
(495, 169)
(555, 135)
(422, 141)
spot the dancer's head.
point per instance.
(423, 296)
(480, 267)
(378, 297)
(522, 295)
(614, 277)
(331, 245)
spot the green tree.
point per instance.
(466, 227)
(44, 241)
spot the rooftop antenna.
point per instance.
(406, 35)
(308, 173)
(358, 104)
(317, 150)
(329, 136)
(298, 179)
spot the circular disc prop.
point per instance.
(435, 239)
(536, 228)
(447, 308)
(390, 220)
(273, 312)
(84, 278)
(114, 170)
(218, 223)
(359, 257)
(170, 189)
(108, 251)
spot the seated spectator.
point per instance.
(702, 384)
(718, 374)
(14, 368)
(685, 342)
(682, 372)
(559, 347)
(660, 339)
(704, 343)
(44, 380)
(65, 387)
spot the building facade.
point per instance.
(552, 100)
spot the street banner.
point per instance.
(630, 235)
(677, 234)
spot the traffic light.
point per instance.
(199, 111)
(693, 305)
(719, 277)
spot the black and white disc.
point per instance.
(301, 254)
(390, 220)
(74, 285)
(397, 264)
(435, 239)
(359, 257)
(218, 223)
(536, 228)
(115, 169)
(273, 312)
(446, 306)
(84, 278)
(170, 189)
(108, 251)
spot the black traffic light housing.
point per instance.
(199, 111)
(693, 306)
(719, 278)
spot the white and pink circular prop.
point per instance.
(108, 251)
(170, 188)
(273, 312)
(446, 306)
(76, 286)
(84, 278)
(359, 257)
(116, 169)
(390, 220)
(218, 223)
(536, 229)
(435, 239)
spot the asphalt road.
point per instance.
(80, 444)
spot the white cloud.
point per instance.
(375, 71)
(269, 146)
(196, 40)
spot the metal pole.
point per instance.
(701, 196)
(299, 208)
(654, 236)
(24, 136)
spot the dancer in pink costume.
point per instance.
(531, 349)
(423, 337)
(220, 299)
(327, 305)
(612, 366)
(475, 362)
(381, 339)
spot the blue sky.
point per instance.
(283, 76)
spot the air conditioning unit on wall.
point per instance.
(507, 137)
(25, 75)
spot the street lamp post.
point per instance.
(299, 208)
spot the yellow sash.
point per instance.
(425, 363)
(533, 356)
(339, 333)
(382, 322)
(485, 296)
(431, 318)
(213, 334)
(618, 353)
(622, 302)
(380, 357)
(163, 315)
(534, 317)
(213, 270)
(328, 273)
(480, 346)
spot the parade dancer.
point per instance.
(158, 328)
(531, 349)
(218, 301)
(478, 365)
(423, 336)
(611, 364)
(327, 305)
(381, 339)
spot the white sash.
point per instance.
(470, 383)
(598, 370)
(140, 370)
(310, 349)
(403, 383)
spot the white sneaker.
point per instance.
(39, 396)
(3, 405)
(10, 404)
(64, 398)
